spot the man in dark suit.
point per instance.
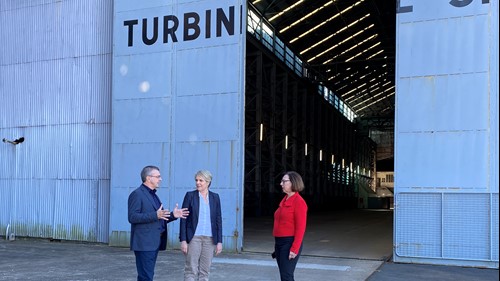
(148, 222)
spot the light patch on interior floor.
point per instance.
(273, 263)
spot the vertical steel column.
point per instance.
(288, 105)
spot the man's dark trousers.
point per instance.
(145, 262)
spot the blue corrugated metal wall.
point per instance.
(446, 148)
(55, 88)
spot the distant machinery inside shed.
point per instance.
(291, 125)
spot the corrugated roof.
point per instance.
(351, 44)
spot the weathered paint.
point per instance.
(55, 92)
(446, 138)
(178, 104)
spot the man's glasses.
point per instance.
(158, 177)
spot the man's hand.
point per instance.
(180, 213)
(162, 214)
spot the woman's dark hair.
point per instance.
(296, 180)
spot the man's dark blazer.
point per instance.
(188, 226)
(144, 222)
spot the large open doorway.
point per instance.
(295, 121)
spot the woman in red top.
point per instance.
(289, 225)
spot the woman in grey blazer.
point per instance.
(201, 232)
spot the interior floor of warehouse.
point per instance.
(356, 234)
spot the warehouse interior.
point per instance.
(320, 98)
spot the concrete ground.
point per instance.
(345, 245)
(42, 260)
(352, 234)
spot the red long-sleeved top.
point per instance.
(290, 220)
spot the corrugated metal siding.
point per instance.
(55, 88)
(446, 148)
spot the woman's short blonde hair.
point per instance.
(204, 174)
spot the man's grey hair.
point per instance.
(146, 171)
